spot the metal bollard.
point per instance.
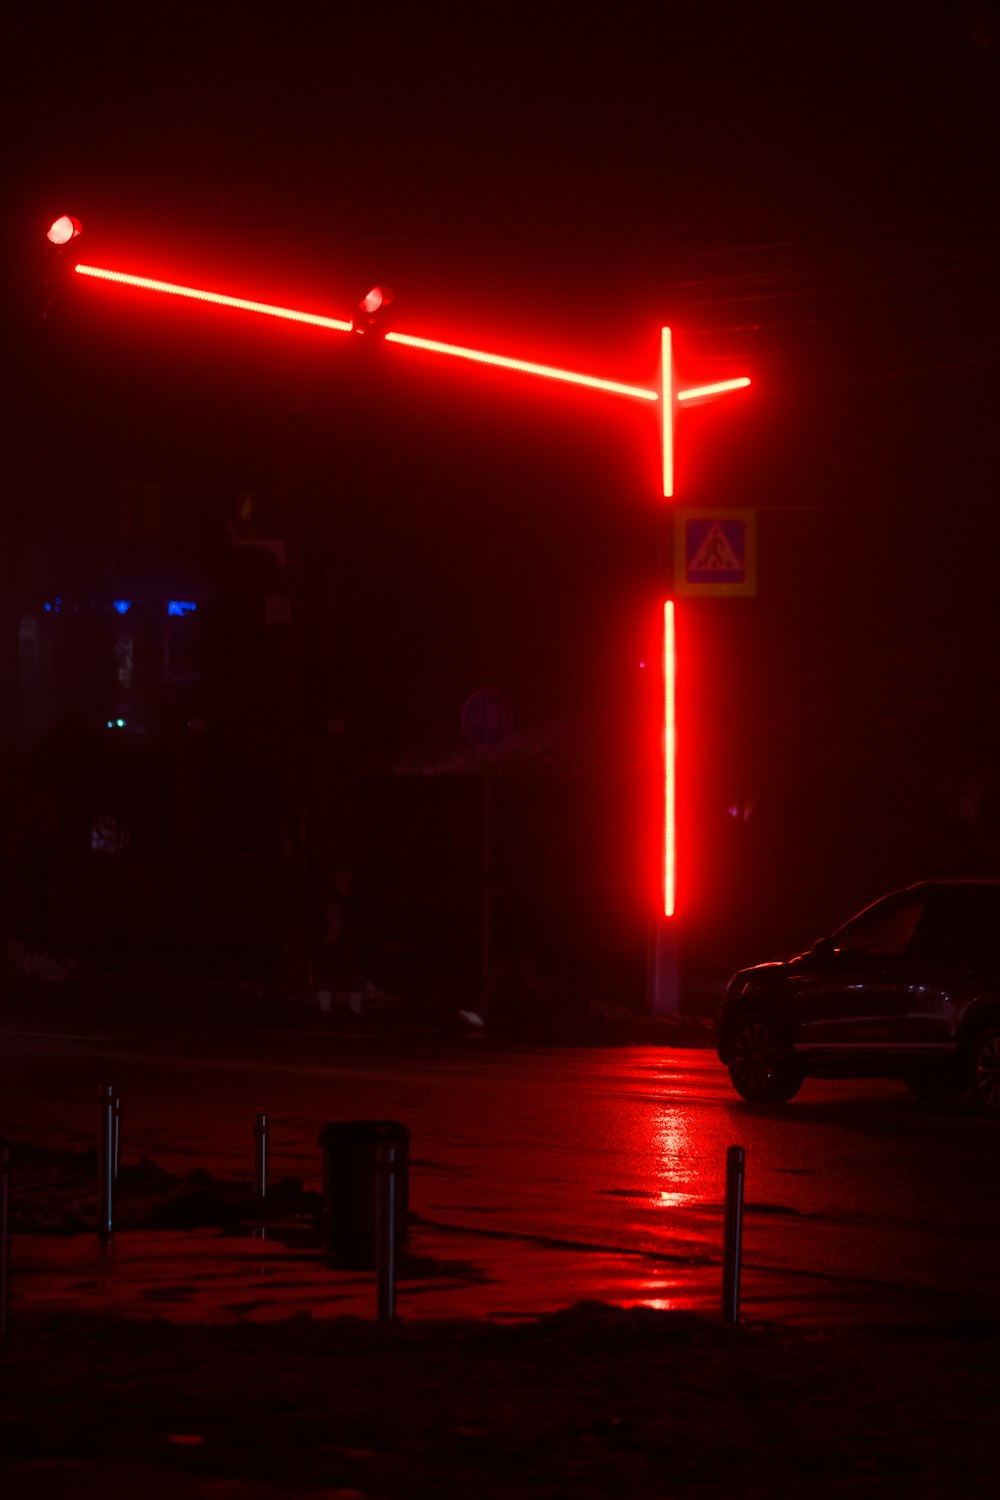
(107, 1154)
(385, 1231)
(260, 1137)
(4, 1232)
(733, 1235)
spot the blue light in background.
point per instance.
(181, 607)
(121, 606)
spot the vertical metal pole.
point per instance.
(4, 1232)
(385, 1231)
(663, 968)
(106, 1160)
(733, 1237)
(487, 873)
(260, 1135)
(117, 1137)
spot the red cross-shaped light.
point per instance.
(665, 395)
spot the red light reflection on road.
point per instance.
(678, 1151)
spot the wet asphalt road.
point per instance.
(609, 1160)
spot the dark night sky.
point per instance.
(805, 193)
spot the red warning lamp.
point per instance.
(373, 300)
(63, 229)
(371, 304)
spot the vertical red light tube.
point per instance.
(667, 403)
(669, 760)
(669, 730)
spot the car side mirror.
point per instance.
(822, 950)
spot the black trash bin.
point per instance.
(350, 1182)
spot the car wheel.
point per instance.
(984, 1072)
(762, 1065)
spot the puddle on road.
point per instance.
(206, 1262)
(210, 1276)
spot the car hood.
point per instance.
(792, 963)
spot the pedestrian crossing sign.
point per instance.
(715, 553)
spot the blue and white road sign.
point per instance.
(715, 553)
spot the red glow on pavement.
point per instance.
(525, 367)
(669, 761)
(241, 304)
(718, 388)
(667, 413)
(63, 230)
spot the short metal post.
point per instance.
(733, 1237)
(385, 1231)
(117, 1137)
(106, 1161)
(260, 1137)
(4, 1232)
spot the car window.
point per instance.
(882, 930)
(960, 921)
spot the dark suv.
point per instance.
(909, 988)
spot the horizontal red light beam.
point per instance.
(524, 366)
(719, 388)
(240, 304)
(668, 394)
(431, 346)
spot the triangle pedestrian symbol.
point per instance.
(715, 555)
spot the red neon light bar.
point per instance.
(526, 367)
(145, 283)
(697, 392)
(667, 394)
(667, 412)
(669, 761)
